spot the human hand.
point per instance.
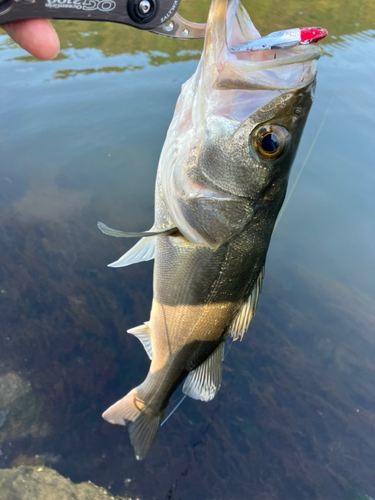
(37, 36)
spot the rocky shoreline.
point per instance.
(41, 483)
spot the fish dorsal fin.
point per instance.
(241, 322)
(143, 334)
(145, 234)
(142, 251)
(204, 382)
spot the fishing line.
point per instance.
(306, 160)
(184, 395)
(229, 348)
(174, 409)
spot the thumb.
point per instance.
(36, 36)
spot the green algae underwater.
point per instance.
(81, 139)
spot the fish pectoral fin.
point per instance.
(143, 334)
(241, 322)
(204, 382)
(123, 234)
(142, 251)
(143, 425)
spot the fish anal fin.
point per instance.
(142, 251)
(143, 334)
(143, 425)
(204, 382)
(242, 321)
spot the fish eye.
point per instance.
(270, 142)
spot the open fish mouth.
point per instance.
(283, 68)
(226, 89)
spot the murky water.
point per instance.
(80, 142)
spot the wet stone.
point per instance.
(41, 483)
(27, 460)
(19, 410)
(12, 387)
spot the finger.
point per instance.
(37, 36)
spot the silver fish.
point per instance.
(221, 181)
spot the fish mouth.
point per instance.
(274, 69)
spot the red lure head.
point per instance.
(312, 35)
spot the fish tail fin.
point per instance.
(143, 424)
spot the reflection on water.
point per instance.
(295, 415)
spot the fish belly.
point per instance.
(197, 293)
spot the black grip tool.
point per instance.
(157, 16)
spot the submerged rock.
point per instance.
(19, 410)
(12, 387)
(41, 483)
